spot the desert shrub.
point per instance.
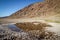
(31, 26)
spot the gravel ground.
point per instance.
(7, 34)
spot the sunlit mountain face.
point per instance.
(8, 7)
(39, 9)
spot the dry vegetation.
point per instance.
(37, 31)
(27, 26)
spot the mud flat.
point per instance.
(55, 28)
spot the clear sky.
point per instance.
(7, 7)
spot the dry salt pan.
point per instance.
(55, 28)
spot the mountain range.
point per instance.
(39, 9)
(47, 10)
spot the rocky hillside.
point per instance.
(39, 9)
(47, 10)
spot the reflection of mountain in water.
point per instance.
(13, 28)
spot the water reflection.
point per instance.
(13, 27)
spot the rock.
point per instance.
(7, 34)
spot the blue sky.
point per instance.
(7, 7)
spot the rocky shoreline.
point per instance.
(7, 34)
(31, 35)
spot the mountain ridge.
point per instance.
(40, 9)
(47, 10)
